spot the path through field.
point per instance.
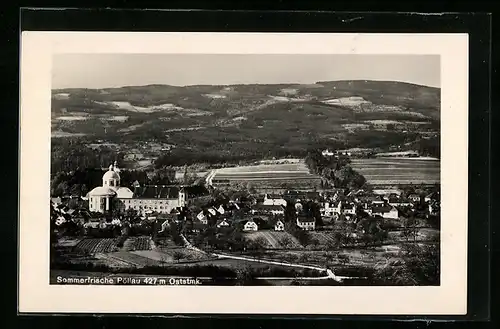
(330, 274)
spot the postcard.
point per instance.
(243, 173)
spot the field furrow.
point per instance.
(398, 171)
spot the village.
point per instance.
(268, 211)
(111, 210)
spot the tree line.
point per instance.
(335, 170)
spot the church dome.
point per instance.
(111, 177)
(111, 174)
(102, 191)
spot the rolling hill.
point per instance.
(249, 119)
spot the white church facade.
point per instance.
(144, 199)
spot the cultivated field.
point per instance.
(137, 243)
(275, 239)
(279, 167)
(382, 171)
(325, 238)
(267, 172)
(141, 258)
(141, 243)
(92, 246)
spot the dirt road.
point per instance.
(330, 274)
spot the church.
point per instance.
(144, 199)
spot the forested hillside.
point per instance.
(243, 122)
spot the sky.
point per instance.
(118, 70)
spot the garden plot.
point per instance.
(137, 243)
(92, 246)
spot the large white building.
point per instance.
(274, 200)
(144, 199)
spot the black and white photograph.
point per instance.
(195, 164)
(245, 169)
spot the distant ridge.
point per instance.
(379, 82)
(249, 120)
(330, 82)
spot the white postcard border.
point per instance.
(35, 293)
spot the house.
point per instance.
(221, 210)
(386, 211)
(92, 224)
(306, 222)
(295, 196)
(62, 208)
(71, 212)
(330, 209)
(366, 201)
(250, 226)
(349, 209)
(339, 195)
(434, 196)
(327, 153)
(274, 200)
(414, 197)
(399, 202)
(257, 199)
(433, 208)
(222, 223)
(56, 201)
(201, 216)
(279, 225)
(116, 222)
(386, 191)
(197, 227)
(60, 220)
(78, 213)
(268, 210)
(233, 205)
(391, 196)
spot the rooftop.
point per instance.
(381, 209)
(368, 198)
(273, 196)
(102, 191)
(305, 219)
(348, 206)
(268, 207)
(157, 192)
